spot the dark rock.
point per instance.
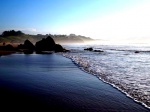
(89, 49)
(28, 51)
(9, 47)
(65, 50)
(98, 51)
(136, 52)
(21, 46)
(45, 44)
(28, 45)
(58, 48)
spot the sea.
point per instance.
(125, 67)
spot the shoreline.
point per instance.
(113, 85)
(61, 84)
(103, 79)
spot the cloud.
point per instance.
(29, 30)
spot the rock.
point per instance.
(28, 51)
(136, 52)
(21, 46)
(98, 51)
(45, 44)
(58, 48)
(9, 47)
(65, 50)
(28, 45)
(89, 49)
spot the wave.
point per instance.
(106, 76)
(142, 49)
(135, 51)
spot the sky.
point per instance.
(98, 19)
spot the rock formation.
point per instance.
(45, 44)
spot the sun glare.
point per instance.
(129, 24)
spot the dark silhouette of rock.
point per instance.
(98, 51)
(89, 49)
(28, 45)
(47, 44)
(28, 51)
(9, 47)
(136, 52)
(58, 48)
(6, 50)
(21, 46)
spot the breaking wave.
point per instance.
(128, 73)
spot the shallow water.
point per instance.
(120, 66)
(44, 83)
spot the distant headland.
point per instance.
(17, 37)
(16, 41)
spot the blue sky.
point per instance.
(93, 18)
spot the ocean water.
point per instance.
(119, 66)
(45, 83)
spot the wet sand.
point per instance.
(51, 83)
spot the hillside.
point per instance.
(61, 39)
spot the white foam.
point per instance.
(124, 81)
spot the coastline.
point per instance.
(112, 69)
(60, 86)
(107, 82)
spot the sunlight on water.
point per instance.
(120, 66)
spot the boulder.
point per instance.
(47, 44)
(9, 47)
(28, 45)
(98, 51)
(136, 52)
(58, 48)
(89, 49)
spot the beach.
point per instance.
(45, 83)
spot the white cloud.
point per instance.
(29, 30)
